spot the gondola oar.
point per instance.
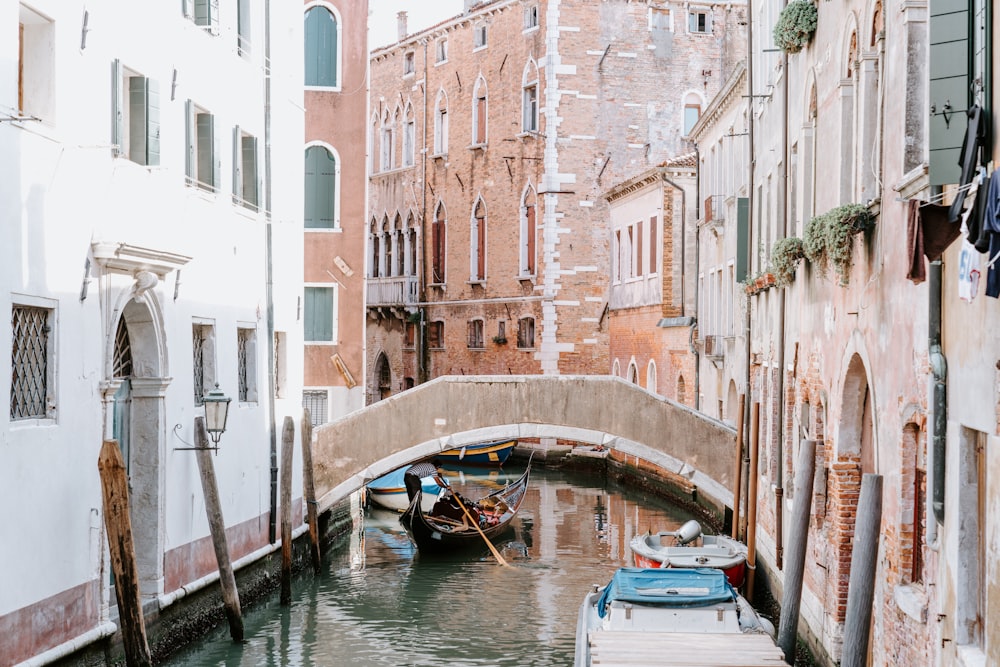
(475, 524)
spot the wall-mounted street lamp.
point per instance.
(216, 413)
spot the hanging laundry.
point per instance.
(990, 236)
(928, 234)
(968, 272)
(968, 160)
(974, 233)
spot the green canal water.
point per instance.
(379, 602)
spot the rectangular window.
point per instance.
(526, 333)
(243, 27)
(31, 362)
(476, 339)
(36, 65)
(531, 17)
(530, 122)
(135, 108)
(700, 21)
(246, 364)
(435, 335)
(692, 112)
(408, 63)
(315, 401)
(639, 257)
(479, 36)
(441, 49)
(659, 19)
(203, 360)
(202, 165)
(481, 119)
(206, 14)
(319, 314)
(244, 169)
(410, 335)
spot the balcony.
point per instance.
(393, 292)
(715, 211)
(715, 347)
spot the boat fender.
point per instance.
(689, 532)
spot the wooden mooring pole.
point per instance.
(788, 624)
(287, 451)
(864, 557)
(752, 500)
(738, 477)
(217, 526)
(309, 490)
(117, 522)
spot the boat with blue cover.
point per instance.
(672, 616)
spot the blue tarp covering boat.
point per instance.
(667, 587)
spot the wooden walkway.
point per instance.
(611, 648)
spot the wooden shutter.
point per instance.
(250, 190)
(437, 230)
(480, 245)
(243, 26)
(117, 109)
(640, 256)
(327, 190)
(653, 268)
(319, 313)
(949, 85)
(190, 132)
(312, 170)
(152, 122)
(531, 231)
(143, 120)
(481, 119)
(205, 144)
(742, 238)
(237, 166)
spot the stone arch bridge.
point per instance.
(452, 411)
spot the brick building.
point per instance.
(493, 136)
(335, 209)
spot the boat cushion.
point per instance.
(674, 587)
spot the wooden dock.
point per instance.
(611, 648)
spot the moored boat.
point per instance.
(672, 616)
(389, 491)
(682, 548)
(445, 527)
(493, 453)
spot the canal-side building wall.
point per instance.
(582, 66)
(842, 357)
(140, 210)
(335, 229)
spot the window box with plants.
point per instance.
(829, 238)
(795, 26)
(786, 254)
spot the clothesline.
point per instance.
(938, 197)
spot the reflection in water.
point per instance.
(379, 602)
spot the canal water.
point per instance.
(380, 603)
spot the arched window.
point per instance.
(373, 154)
(388, 149)
(438, 233)
(322, 181)
(529, 98)
(848, 90)
(374, 240)
(692, 111)
(633, 373)
(616, 369)
(477, 258)
(651, 377)
(385, 260)
(869, 88)
(397, 245)
(322, 43)
(681, 391)
(411, 241)
(479, 112)
(528, 232)
(408, 135)
(441, 124)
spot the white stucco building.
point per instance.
(151, 250)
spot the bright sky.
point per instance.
(420, 14)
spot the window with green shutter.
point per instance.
(135, 116)
(319, 314)
(322, 45)
(320, 189)
(245, 189)
(206, 15)
(201, 163)
(949, 87)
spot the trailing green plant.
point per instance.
(795, 25)
(829, 238)
(786, 254)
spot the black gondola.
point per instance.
(440, 531)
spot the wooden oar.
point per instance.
(476, 525)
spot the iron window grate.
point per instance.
(29, 362)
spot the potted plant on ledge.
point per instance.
(795, 25)
(786, 254)
(829, 238)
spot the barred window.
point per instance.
(30, 363)
(476, 334)
(435, 335)
(526, 332)
(315, 400)
(246, 364)
(203, 360)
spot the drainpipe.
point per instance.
(269, 272)
(422, 327)
(697, 268)
(939, 370)
(779, 486)
(749, 249)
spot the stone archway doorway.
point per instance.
(383, 377)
